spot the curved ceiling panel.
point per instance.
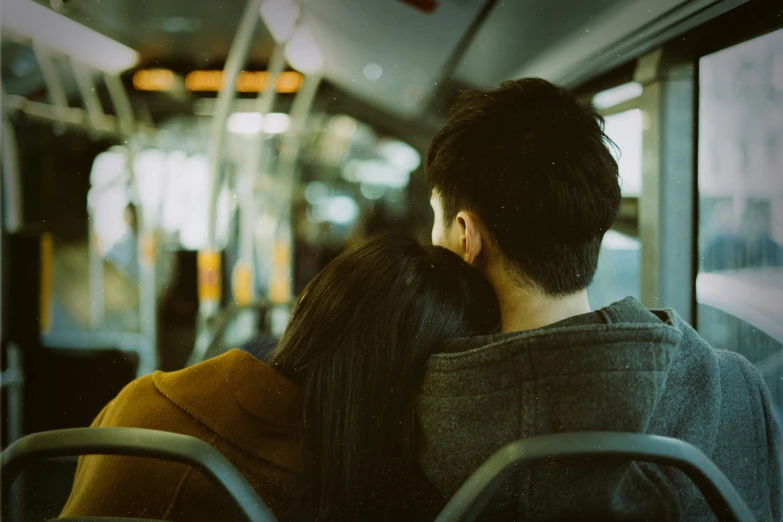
(567, 41)
(385, 52)
(517, 31)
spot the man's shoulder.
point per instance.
(726, 362)
(625, 321)
(737, 365)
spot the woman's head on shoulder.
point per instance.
(357, 343)
(394, 287)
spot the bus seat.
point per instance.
(464, 506)
(477, 491)
(139, 443)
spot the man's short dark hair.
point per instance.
(533, 164)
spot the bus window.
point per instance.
(619, 264)
(740, 281)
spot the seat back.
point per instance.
(136, 442)
(474, 495)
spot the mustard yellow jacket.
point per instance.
(236, 403)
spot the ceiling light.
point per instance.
(245, 123)
(280, 17)
(153, 80)
(247, 81)
(288, 81)
(302, 51)
(255, 81)
(204, 80)
(63, 35)
(373, 72)
(276, 123)
(254, 122)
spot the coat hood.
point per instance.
(257, 405)
(633, 370)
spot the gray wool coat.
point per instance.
(627, 369)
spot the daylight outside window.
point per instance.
(619, 264)
(740, 281)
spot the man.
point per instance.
(524, 187)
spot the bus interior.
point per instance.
(174, 173)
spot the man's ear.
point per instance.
(470, 236)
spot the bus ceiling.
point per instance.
(414, 55)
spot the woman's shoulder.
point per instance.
(154, 401)
(234, 395)
(138, 405)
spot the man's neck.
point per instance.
(525, 308)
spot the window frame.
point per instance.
(738, 25)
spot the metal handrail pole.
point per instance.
(237, 54)
(121, 101)
(149, 357)
(300, 113)
(54, 84)
(86, 85)
(264, 104)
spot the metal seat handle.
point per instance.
(476, 492)
(136, 442)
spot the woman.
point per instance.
(329, 424)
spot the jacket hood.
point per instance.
(620, 365)
(613, 375)
(258, 404)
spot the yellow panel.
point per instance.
(47, 255)
(243, 283)
(209, 276)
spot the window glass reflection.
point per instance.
(740, 281)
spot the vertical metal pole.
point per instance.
(15, 387)
(13, 381)
(264, 104)
(666, 221)
(244, 270)
(649, 202)
(245, 325)
(236, 58)
(300, 112)
(121, 102)
(12, 188)
(234, 63)
(92, 103)
(54, 84)
(96, 280)
(148, 299)
(146, 239)
(146, 245)
(11, 220)
(4, 130)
